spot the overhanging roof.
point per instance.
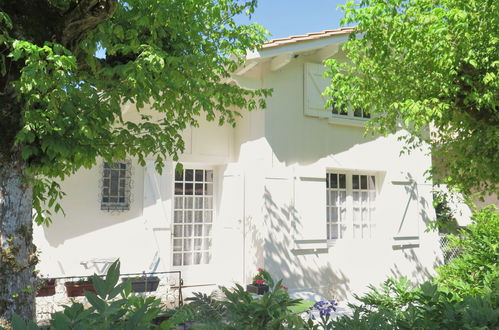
(298, 43)
(279, 52)
(307, 37)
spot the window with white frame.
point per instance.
(116, 181)
(349, 113)
(350, 206)
(192, 217)
(314, 100)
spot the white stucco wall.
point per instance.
(141, 236)
(269, 192)
(286, 160)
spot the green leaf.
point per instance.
(32, 325)
(179, 168)
(96, 302)
(100, 286)
(18, 323)
(113, 275)
(119, 32)
(60, 321)
(120, 288)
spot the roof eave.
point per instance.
(296, 46)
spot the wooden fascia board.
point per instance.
(296, 47)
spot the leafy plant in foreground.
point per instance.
(270, 311)
(475, 271)
(112, 307)
(395, 306)
(239, 309)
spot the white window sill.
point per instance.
(347, 121)
(348, 241)
(405, 241)
(310, 244)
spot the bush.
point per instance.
(270, 311)
(395, 306)
(240, 310)
(107, 311)
(475, 270)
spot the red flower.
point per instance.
(284, 287)
(260, 269)
(259, 282)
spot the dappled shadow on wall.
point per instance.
(417, 270)
(416, 257)
(304, 270)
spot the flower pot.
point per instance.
(143, 284)
(257, 288)
(74, 289)
(47, 289)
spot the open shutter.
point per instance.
(314, 86)
(407, 224)
(157, 203)
(310, 204)
(279, 214)
(157, 195)
(228, 238)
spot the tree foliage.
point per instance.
(61, 105)
(416, 64)
(475, 270)
(395, 305)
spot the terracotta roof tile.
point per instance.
(305, 37)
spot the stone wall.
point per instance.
(168, 291)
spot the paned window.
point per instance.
(116, 179)
(192, 217)
(336, 205)
(350, 206)
(357, 113)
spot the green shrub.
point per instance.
(208, 311)
(475, 270)
(270, 311)
(107, 311)
(395, 306)
(239, 309)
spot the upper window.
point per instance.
(192, 217)
(314, 100)
(116, 179)
(350, 205)
(357, 113)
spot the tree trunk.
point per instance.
(17, 251)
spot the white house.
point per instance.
(295, 188)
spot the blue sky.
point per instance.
(284, 18)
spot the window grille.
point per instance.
(192, 217)
(364, 196)
(336, 205)
(350, 203)
(116, 182)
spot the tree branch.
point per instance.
(86, 16)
